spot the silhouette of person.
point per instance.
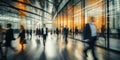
(1, 40)
(90, 36)
(37, 32)
(76, 31)
(65, 34)
(57, 32)
(118, 30)
(44, 33)
(9, 36)
(30, 34)
(22, 36)
(103, 32)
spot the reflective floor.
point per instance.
(55, 49)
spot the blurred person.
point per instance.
(70, 31)
(2, 34)
(44, 33)
(118, 30)
(54, 31)
(9, 36)
(76, 31)
(90, 37)
(30, 33)
(27, 31)
(21, 36)
(51, 31)
(65, 34)
(103, 32)
(37, 32)
(57, 32)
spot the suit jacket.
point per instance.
(57, 31)
(43, 31)
(87, 32)
(22, 34)
(65, 31)
(9, 35)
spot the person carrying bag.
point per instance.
(21, 36)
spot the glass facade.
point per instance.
(77, 13)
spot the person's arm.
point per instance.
(86, 32)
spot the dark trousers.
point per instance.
(44, 39)
(1, 51)
(91, 47)
(65, 37)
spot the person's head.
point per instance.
(22, 27)
(9, 25)
(92, 19)
(75, 26)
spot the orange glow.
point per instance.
(76, 16)
(23, 7)
(19, 46)
(22, 13)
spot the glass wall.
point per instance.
(77, 13)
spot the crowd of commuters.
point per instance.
(89, 34)
(8, 36)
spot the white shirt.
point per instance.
(93, 29)
(44, 30)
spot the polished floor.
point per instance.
(55, 49)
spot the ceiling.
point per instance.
(41, 8)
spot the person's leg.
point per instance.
(44, 39)
(66, 39)
(11, 47)
(1, 51)
(93, 53)
(85, 50)
(6, 51)
(22, 46)
(93, 48)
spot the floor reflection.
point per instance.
(55, 49)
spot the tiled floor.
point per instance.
(55, 49)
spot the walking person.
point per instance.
(90, 37)
(37, 33)
(2, 34)
(76, 31)
(44, 33)
(65, 34)
(21, 36)
(9, 36)
(57, 32)
(103, 32)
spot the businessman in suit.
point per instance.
(90, 37)
(65, 34)
(44, 33)
(9, 36)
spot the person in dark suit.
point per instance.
(37, 31)
(90, 37)
(44, 33)
(9, 36)
(57, 31)
(22, 36)
(103, 29)
(76, 31)
(65, 34)
(2, 33)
